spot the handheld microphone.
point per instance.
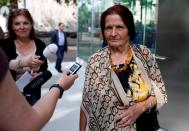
(37, 82)
(50, 52)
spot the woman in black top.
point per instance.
(23, 49)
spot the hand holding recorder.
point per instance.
(68, 77)
(74, 68)
(66, 81)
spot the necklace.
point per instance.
(117, 68)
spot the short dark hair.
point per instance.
(13, 14)
(125, 15)
(60, 23)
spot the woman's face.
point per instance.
(116, 32)
(22, 26)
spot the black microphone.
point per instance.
(37, 82)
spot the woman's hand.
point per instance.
(128, 115)
(66, 81)
(32, 61)
(35, 74)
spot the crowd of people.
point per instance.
(123, 88)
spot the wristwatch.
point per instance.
(59, 87)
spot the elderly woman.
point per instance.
(23, 49)
(123, 87)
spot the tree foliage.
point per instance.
(13, 4)
(84, 16)
(4, 2)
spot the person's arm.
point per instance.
(65, 42)
(148, 104)
(18, 115)
(157, 82)
(54, 37)
(46, 105)
(83, 121)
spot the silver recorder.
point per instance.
(74, 68)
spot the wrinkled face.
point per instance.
(116, 32)
(22, 26)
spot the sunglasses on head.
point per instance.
(20, 10)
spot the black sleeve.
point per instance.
(3, 65)
(66, 42)
(40, 45)
(53, 37)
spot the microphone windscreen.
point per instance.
(50, 52)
